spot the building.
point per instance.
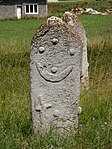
(52, 1)
(22, 8)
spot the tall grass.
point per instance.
(95, 122)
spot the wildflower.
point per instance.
(103, 127)
(93, 118)
(98, 133)
(98, 137)
(105, 123)
(80, 125)
(51, 147)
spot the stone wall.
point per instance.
(10, 11)
(7, 11)
(42, 11)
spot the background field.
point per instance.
(95, 122)
(61, 7)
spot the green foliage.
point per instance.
(95, 122)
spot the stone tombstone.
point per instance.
(73, 23)
(55, 77)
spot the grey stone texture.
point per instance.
(7, 11)
(52, 1)
(10, 11)
(55, 77)
(75, 25)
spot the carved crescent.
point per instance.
(51, 77)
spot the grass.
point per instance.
(19, 31)
(97, 27)
(61, 7)
(95, 122)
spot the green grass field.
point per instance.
(59, 8)
(95, 122)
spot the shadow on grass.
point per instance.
(26, 129)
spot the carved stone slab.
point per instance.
(75, 25)
(55, 77)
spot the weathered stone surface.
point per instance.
(75, 25)
(55, 77)
(7, 11)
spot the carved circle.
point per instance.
(41, 49)
(72, 52)
(55, 41)
(53, 69)
(56, 113)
